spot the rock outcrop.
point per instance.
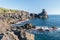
(33, 15)
(15, 17)
(7, 19)
(10, 36)
(43, 14)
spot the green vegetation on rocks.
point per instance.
(4, 10)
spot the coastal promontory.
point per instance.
(43, 14)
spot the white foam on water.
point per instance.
(23, 21)
(45, 27)
(58, 28)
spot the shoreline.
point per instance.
(21, 23)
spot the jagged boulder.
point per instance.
(10, 36)
(33, 15)
(43, 14)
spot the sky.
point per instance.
(52, 7)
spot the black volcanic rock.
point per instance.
(43, 14)
(33, 15)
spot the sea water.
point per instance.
(52, 20)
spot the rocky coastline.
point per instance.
(17, 16)
(8, 18)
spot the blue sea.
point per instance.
(52, 20)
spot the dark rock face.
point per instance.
(43, 14)
(33, 15)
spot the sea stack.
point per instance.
(43, 14)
